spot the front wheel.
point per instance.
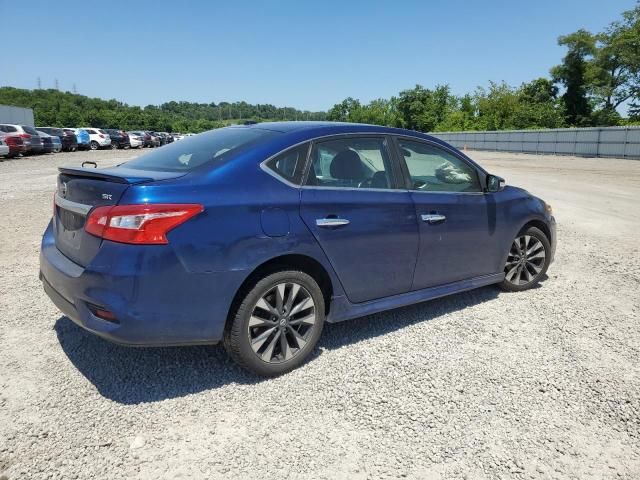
(114, 146)
(527, 261)
(277, 324)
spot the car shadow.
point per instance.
(130, 375)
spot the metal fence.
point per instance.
(618, 142)
(17, 115)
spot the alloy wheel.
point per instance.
(281, 323)
(525, 260)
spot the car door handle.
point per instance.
(331, 222)
(433, 218)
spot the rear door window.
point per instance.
(351, 162)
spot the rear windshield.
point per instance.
(206, 148)
(29, 130)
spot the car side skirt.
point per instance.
(342, 309)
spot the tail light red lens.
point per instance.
(101, 135)
(25, 135)
(146, 224)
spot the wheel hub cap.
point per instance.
(525, 261)
(281, 323)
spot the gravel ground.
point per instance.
(484, 384)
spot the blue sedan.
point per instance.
(256, 235)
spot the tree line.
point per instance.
(65, 109)
(599, 73)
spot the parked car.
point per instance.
(98, 138)
(82, 136)
(135, 140)
(50, 143)
(29, 135)
(177, 136)
(4, 149)
(255, 235)
(67, 137)
(119, 138)
(47, 143)
(15, 143)
(168, 137)
(154, 139)
(146, 138)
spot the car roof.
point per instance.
(309, 130)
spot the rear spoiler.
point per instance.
(119, 174)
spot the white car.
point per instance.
(4, 149)
(98, 138)
(135, 140)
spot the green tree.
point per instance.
(572, 73)
(422, 109)
(615, 68)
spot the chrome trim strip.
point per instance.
(355, 189)
(448, 148)
(75, 207)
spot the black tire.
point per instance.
(114, 146)
(94, 145)
(510, 285)
(237, 337)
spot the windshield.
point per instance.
(29, 130)
(207, 148)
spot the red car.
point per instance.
(15, 143)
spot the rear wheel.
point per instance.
(527, 261)
(277, 324)
(94, 145)
(114, 146)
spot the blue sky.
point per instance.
(304, 54)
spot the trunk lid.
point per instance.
(79, 191)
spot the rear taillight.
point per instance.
(146, 224)
(101, 135)
(24, 135)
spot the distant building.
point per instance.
(17, 115)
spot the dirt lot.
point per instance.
(541, 384)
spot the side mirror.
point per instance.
(495, 183)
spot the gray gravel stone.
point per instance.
(484, 384)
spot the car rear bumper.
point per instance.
(155, 300)
(37, 148)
